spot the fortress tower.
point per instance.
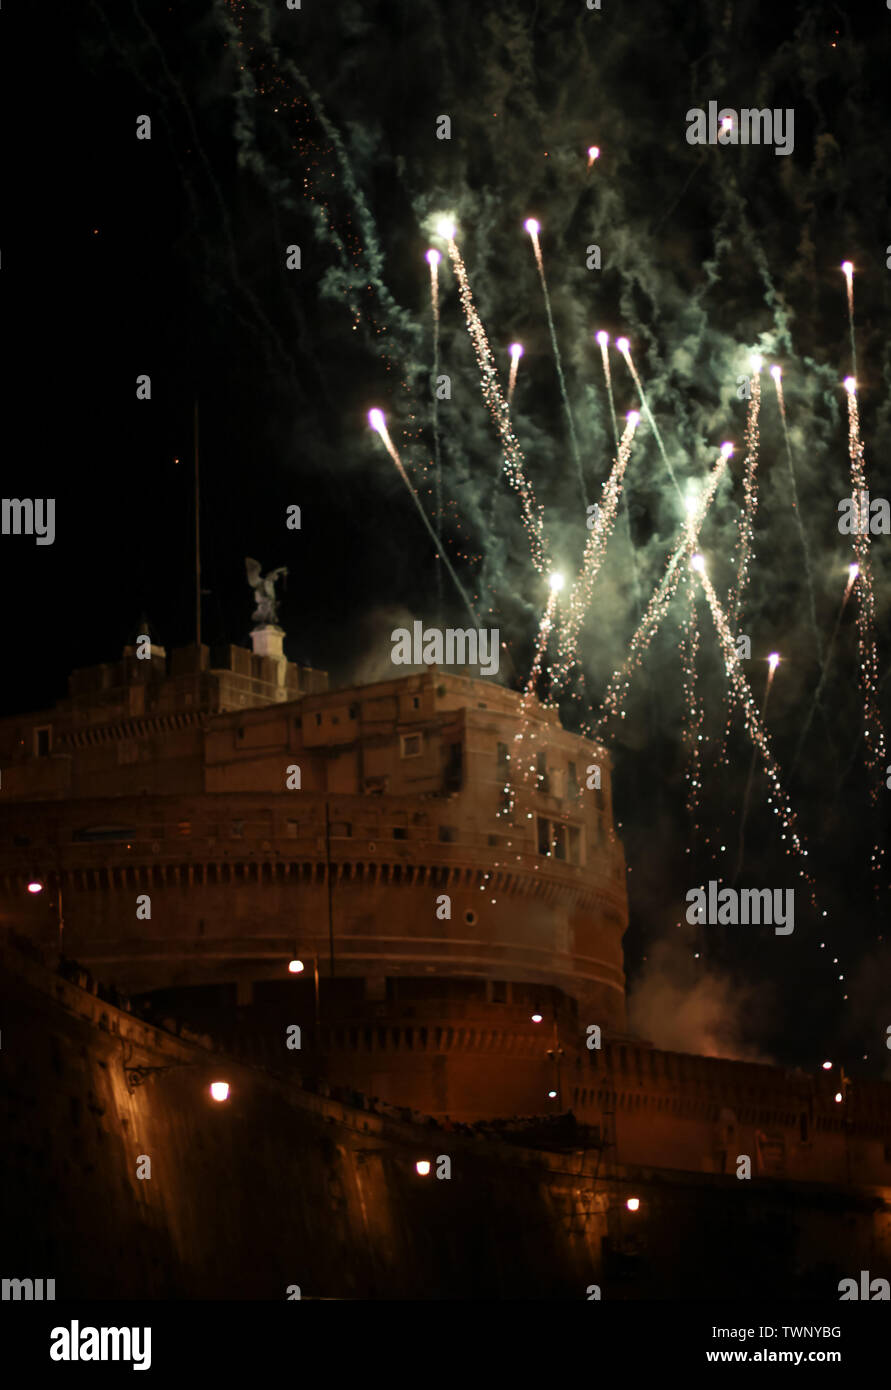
(444, 866)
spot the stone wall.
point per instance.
(281, 1186)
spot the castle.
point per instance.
(422, 877)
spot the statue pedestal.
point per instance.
(267, 641)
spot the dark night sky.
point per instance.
(168, 257)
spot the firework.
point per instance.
(777, 375)
(514, 463)
(378, 423)
(754, 724)
(656, 609)
(625, 348)
(873, 732)
(516, 352)
(746, 532)
(750, 494)
(848, 269)
(603, 340)
(533, 228)
(433, 259)
(694, 707)
(773, 662)
(593, 153)
(595, 550)
(555, 584)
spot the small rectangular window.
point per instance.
(447, 834)
(236, 829)
(318, 719)
(43, 741)
(412, 745)
(544, 835)
(291, 828)
(341, 830)
(400, 832)
(541, 767)
(503, 755)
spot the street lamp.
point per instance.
(296, 966)
(37, 885)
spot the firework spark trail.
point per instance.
(544, 631)
(782, 807)
(694, 707)
(657, 607)
(595, 551)
(374, 256)
(750, 493)
(378, 423)
(746, 532)
(873, 731)
(805, 547)
(603, 340)
(433, 260)
(625, 348)
(773, 662)
(852, 576)
(848, 269)
(514, 463)
(533, 229)
(516, 352)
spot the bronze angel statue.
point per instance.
(263, 586)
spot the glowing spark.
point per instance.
(697, 563)
(446, 228)
(433, 257)
(593, 153)
(556, 582)
(773, 661)
(603, 340)
(848, 268)
(516, 352)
